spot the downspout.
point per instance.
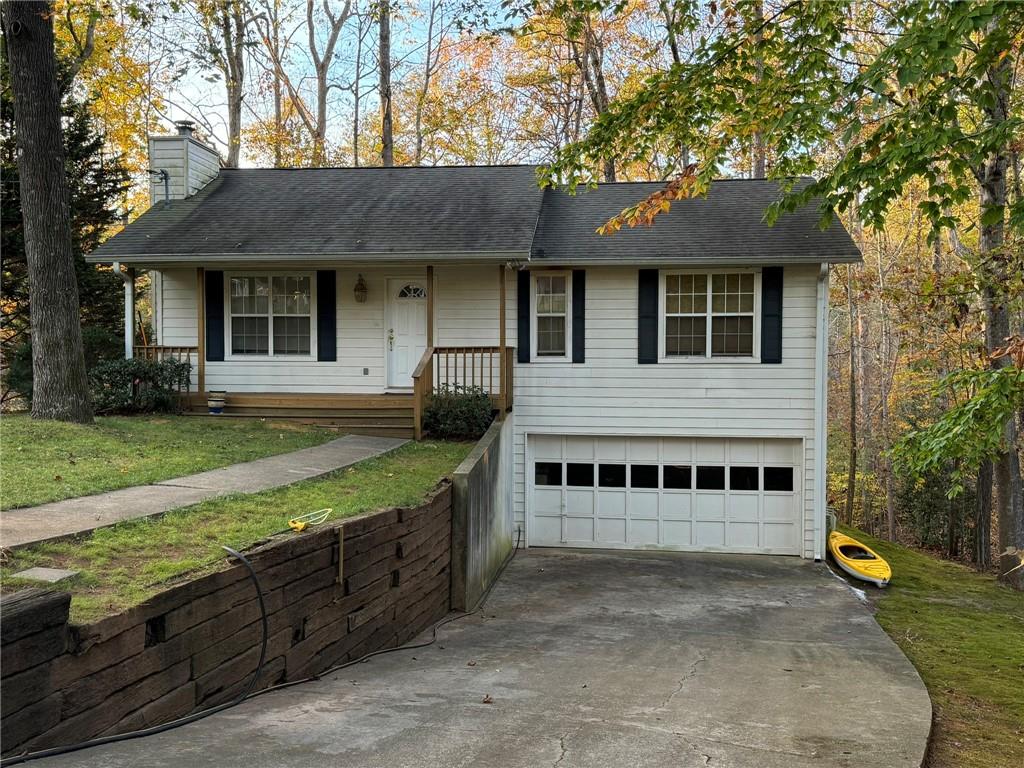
(127, 275)
(820, 405)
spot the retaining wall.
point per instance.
(482, 523)
(197, 644)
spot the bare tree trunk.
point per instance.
(757, 169)
(356, 89)
(428, 70)
(983, 517)
(233, 25)
(278, 112)
(995, 276)
(387, 150)
(60, 388)
(590, 61)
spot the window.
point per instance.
(579, 474)
(709, 315)
(412, 291)
(270, 315)
(643, 476)
(778, 478)
(711, 478)
(743, 479)
(552, 312)
(547, 473)
(611, 475)
(677, 476)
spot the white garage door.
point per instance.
(727, 495)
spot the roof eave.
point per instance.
(414, 257)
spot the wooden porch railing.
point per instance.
(158, 352)
(488, 368)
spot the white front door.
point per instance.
(406, 329)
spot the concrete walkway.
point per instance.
(27, 525)
(596, 660)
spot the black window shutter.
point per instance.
(326, 315)
(647, 314)
(523, 316)
(579, 322)
(214, 291)
(771, 315)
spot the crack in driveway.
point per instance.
(690, 674)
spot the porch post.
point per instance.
(127, 275)
(430, 305)
(201, 329)
(502, 378)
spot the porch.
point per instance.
(472, 307)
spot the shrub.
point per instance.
(460, 413)
(137, 386)
(98, 343)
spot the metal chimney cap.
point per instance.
(185, 127)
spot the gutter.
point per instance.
(820, 405)
(372, 259)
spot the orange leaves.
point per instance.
(681, 187)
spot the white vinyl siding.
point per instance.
(611, 394)
(465, 310)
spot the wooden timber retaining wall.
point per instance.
(197, 645)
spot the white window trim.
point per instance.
(706, 358)
(229, 355)
(567, 357)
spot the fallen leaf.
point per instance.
(470, 663)
(488, 699)
(57, 478)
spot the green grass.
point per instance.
(964, 631)
(123, 565)
(44, 461)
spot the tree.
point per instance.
(60, 388)
(96, 185)
(223, 25)
(387, 141)
(932, 104)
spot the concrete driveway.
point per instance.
(597, 659)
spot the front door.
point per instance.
(406, 330)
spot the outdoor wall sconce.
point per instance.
(360, 290)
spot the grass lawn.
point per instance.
(44, 461)
(964, 631)
(127, 563)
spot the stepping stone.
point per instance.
(49, 575)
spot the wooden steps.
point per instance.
(381, 415)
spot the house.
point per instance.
(663, 387)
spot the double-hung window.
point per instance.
(270, 315)
(552, 314)
(709, 315)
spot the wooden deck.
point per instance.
(381, 415)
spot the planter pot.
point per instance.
(215, 402)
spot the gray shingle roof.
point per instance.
(725, 226)
(339, 212)
(462, 212)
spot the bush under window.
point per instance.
(458, 413)
(138, 386)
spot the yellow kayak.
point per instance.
(858, 560)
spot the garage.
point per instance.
(697, 494)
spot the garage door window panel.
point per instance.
(743, 479)
(678, 477)
(579, 475)
(711, 478)
(643, 476)
(547, 473)
(611, 475)
(778, 478)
